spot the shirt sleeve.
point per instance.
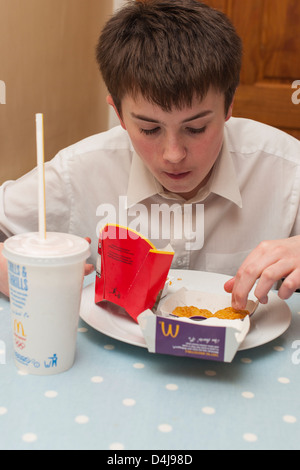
(295, 203)
(19, 200)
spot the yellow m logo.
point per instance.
(19, 328)
(170, 330)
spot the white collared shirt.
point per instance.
(252, 195)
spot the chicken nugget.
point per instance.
(231, 314)
(191, 312)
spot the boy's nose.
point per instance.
(174, 150)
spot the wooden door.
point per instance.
(270, 81)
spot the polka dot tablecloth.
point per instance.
(120, 397)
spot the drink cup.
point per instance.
(45, 284)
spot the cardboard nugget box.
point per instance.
(212, 339)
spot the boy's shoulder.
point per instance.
(246, 136)
(113, 139)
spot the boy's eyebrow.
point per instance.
(199, 115)
(155, 121)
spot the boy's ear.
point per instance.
(110, 102)
(229, 114)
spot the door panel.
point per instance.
(270, 33)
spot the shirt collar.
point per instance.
(142, 183)
(223, 181)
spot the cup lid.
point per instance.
(56, 249)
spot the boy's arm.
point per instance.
(3, 273)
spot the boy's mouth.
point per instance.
(177, 176)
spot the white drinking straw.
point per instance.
(39, 119)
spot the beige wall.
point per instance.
(47, 62)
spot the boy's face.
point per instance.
(178, 147)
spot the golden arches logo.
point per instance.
(19, 328)
(169, 332)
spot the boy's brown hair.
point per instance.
(170, 52)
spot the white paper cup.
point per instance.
(45, 283)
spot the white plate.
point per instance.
(268, 323)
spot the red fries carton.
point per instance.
(131, 272)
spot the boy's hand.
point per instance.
(270, 262)
(89, 268)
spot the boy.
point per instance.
(180, 169)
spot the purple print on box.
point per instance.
(193, 340)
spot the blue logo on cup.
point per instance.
(52, 362)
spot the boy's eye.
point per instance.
(190, 130)
(150, 131)
(196, 131)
